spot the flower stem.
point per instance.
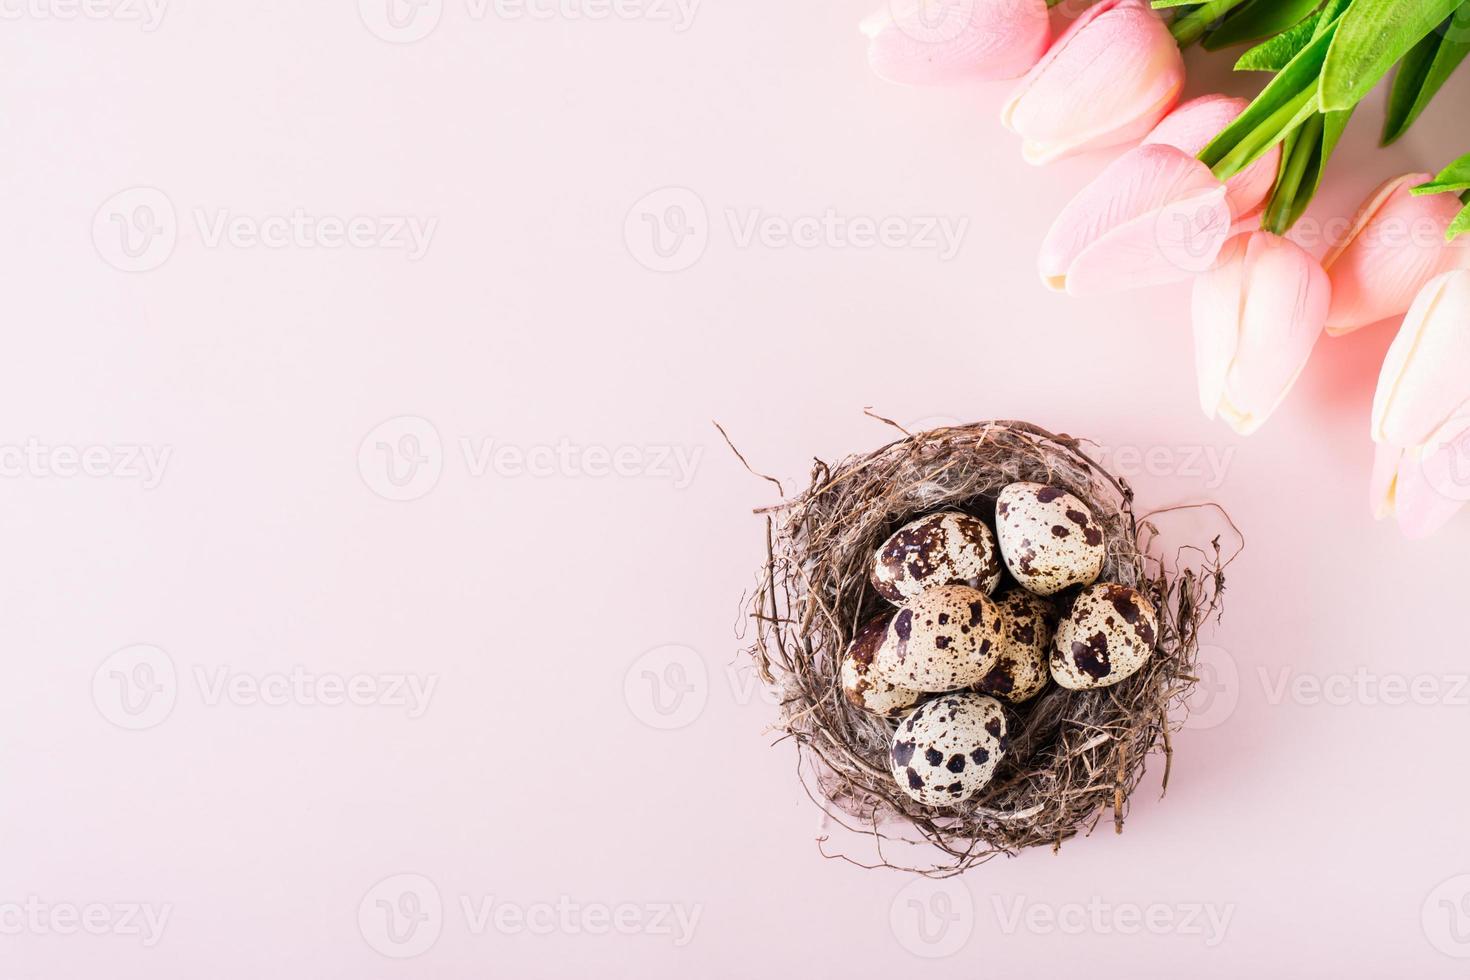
(1306, 143)
(1192, 26)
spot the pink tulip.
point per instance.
(920, 42)
(1395, 246)
(1193, 125)
(1257, 315)
(1154, 215)
(1421, 411)
(1108, 80)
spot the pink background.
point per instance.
(540, 600)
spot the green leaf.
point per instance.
(1276, 54)
(1258, 19)
(1166, 4)
(1423, 73)
(1371, 38)
(1288, 101)
(1452, 179)
(1460, 226)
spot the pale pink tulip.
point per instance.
(920, 42)
(1154, 215)
(1421, 411)
(1108, 80)
(1395, 246)
(1257, 315)
(1193, 125)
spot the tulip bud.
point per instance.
(1421, 411)
(1154, 215)
(920, 42)
(1108, 80)
(1395, 246)
(1257, 315)
(1192, 127)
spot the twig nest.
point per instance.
(861, 683)
(948, 748)
(948, 548)
(905, 525)
(1105, 639)
(947, 638)
(1020, 670)
(1049, 538)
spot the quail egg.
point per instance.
(947, 638)
(1048, 537)
(949, 548)
(947, 749)
(1020, 672)
(1107, 636)
(861, 683)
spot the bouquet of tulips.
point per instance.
(1208, 191)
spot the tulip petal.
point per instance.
(919, 42)
(1381, 483)
(1108, 80)
(1426, 373)
(1193, 125)
(1154, 215)
(1418, 504)
(1286, 299)
(1395, 246)
(1263, 307)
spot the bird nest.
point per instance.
(1074, 755)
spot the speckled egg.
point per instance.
(861, 683)
(948, 748)
(1048, 537)
(942, 549)
(1020, 672)
(1107, 636)
(947, 638)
